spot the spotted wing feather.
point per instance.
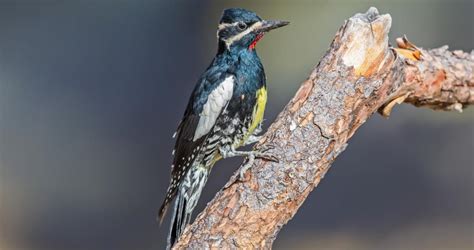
(192, 132)
(184, 148)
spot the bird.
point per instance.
(225, 111)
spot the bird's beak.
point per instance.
(268, 25)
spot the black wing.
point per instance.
(183, 149)
(187, 147)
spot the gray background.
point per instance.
(91, 92)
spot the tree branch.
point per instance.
(357, 76)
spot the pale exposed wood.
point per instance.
(358, 75)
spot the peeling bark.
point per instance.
(357, 76)
(441, 80)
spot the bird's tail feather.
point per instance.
(186, 200)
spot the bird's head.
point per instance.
(242, 29)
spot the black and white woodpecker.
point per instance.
(225, 112)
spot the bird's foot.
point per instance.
(246, 166)
(262, 154)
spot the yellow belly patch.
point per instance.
(258, 112)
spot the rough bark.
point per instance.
(359, 74)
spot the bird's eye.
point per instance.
(242, 26)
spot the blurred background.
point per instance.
(91, 92)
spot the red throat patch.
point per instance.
(254, 43)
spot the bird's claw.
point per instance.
(265, 148)
(261, 154)
(269, 157)
(243, 170)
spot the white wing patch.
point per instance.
(216, 101)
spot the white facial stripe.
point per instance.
(217, 100)
(229, 41)
(225, 25)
